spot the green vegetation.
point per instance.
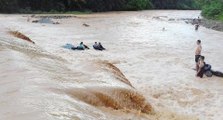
(62, 6)
(220, 17)
(176, 4)
(212, 9)
(139, 5)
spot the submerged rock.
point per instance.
(45, 20)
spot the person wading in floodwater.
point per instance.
(201, 67)
(198, 53)
(197, 26)
(98, 46)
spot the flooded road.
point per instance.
(145, 73)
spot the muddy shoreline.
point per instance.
(212, 24)
(207, 23)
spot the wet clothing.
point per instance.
(217, 73)
(208, 73)
(101, 47)
(197, 58)
(201, 71)
(95, 46)
(86, 47)
(206, 69)
(196, 27)
(80, 47)
(98, 47)
(77, 48)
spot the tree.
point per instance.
(213, 9)
(16, 6)
(9, 6)
(139, 4)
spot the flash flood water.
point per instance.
(145, 73)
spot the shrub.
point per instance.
(213, 10)
(138, 4)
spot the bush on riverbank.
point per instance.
(138, 5)
(176, 4)
(213, 9)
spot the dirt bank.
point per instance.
(212, 24)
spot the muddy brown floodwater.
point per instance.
(146, 73)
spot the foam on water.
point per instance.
(144, 69)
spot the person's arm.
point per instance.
(86, 47)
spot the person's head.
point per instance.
(202, 58)
(95, 43)
(81, 43)
(198, 42)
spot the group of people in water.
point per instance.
(199, 59)
(201, 67)
(98, 46)
(82, 46)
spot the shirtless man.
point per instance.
(198, 53)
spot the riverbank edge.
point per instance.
(52, 12)
(212, 24)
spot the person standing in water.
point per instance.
(197, 26)
(198, 20)
(201, 67)
(198, 53)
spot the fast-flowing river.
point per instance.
(145, 73)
